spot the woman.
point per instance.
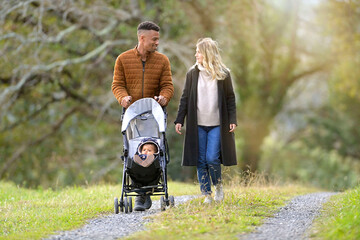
(208, 102)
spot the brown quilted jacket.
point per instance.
(130, 79)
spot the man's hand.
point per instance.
(126, 101)
(178, 128)
(161, 100)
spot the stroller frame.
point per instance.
(142, 110)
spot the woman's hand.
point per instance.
(232, 127)
(178, 128)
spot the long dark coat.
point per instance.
(188, 109)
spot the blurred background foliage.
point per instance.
(295, 66)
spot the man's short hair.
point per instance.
(148, 26)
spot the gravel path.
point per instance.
(115, 226)
(292, 221)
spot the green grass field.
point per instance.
(340, 218)
(34, 214)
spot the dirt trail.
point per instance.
(291, 222)
(115, 226)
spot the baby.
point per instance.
(148, 149)
(146, 152)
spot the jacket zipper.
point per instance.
(143, 79)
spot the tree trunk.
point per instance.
(254, 132)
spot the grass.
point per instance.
(340, 217)
(243, 209)
(35, 214)
(32, 214)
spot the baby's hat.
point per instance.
(146, 141)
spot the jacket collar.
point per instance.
(137, 54)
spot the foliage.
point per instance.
(339, 218)
(325, 150)
(59, 119)
(59, 122)
(267, 55)
(341, 20)
(37, 213)
(336, 125)
(324, 131)
(316, 166)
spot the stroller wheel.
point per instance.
(172, 201)
(130, 204)
(126, 205)
(162, 203)
(116, 206)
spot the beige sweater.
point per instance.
(207, 99)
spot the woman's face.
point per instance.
(199, 57)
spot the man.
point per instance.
(140, 73)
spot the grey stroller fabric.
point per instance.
(142, 106)
(143, 119)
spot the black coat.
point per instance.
(188, 108)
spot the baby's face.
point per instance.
(148, 149)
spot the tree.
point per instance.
(268, 55)
(57, 111)
(335, 126)
(341, 21)
(324, 150)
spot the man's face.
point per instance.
(151, 40)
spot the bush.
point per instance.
(315, 166)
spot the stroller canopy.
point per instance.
(142, 106)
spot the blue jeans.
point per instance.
(209, 165)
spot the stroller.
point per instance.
(144, 120)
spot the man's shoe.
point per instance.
(219, 193)
(139, 203)
(148, 202)
(208, 199)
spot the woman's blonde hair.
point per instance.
(212, 60)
